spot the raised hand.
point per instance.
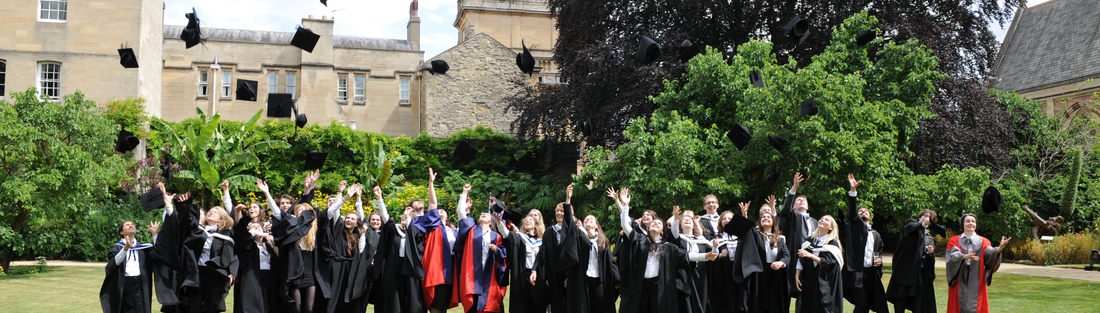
(343, 185)
(568, 193)
(466, 188)
(853, 182)
(1004, 242)
(797, 180)
(154, 227)
(431, 175)
(771, 202)
(225, 185)
(262, 186)
(378, 193)
(167, 197)
(184, 197)
(624, 195)
(744, 208)
(676, 211)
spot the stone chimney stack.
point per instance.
(414, 26)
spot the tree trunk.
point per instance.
(8, 253)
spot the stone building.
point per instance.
(1051, 54)
(60, 47)
(372, 84)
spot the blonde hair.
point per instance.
(540, 228)
(307, 240)
(833, 233)
(225, 222)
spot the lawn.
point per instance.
(76, 289)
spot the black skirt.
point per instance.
(442, 298)
(306, 280)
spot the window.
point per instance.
(290, 84)
(404, 91)
(3, 77)
(360, 87)
(273, 82)
(202, 83)
(342, 89)
(49, 80)
(53, 10)
(227, 84)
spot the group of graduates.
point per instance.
(307, 259)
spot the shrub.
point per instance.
(95, 233)
(1065, 249)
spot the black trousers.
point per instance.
(595, 295)
(131, 295)
(649, 296)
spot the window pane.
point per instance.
(404, 88)
(290, 78)
(342, 88)
(360, 83)
(63, 15)
(272, 82)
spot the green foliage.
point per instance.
(130, 113)
(377, 168)
(520, 191)
(681, 153)
(1069, 197)
(206, 157)
(97, 230)
(57, 157)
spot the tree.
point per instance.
(56, 156)
(609, 92)
(682, 152)
(203, 157)
(1069, 196)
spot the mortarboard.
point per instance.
(126, 141)
(246, 90)
(191, 34)
(465, 152)
(991, 200)
(506, 213)
(280, 105)
(438, 67)
(864, 37)
(809, 107)
(128, 59)
(779, 143)
(151, 200)
(648, 51)
(586, 128)
(305, 39)
(756, 79)
(315, 160)
(797, 29)
(525, 61)
(740, 136)
(688, 50)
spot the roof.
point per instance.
(1051, 44)
(283, 38)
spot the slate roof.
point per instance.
(272, 37)
(1052, 44)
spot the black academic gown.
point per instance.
(772, 291)
(693, 281)
(566, 260)
(347, 271)
(853, 234)
(914, 269)
(822, 284)
(213, 287)
(287, 230)
(166, 257)
(741, 282)
(111, 292)
(248, 288)
(794, 228)
(399, 291)
(609, 279)
(522, 296)
(672, 259)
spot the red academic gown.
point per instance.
(476, 281)
(983, 282)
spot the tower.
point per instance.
(513, 23)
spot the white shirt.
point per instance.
(486, 235)
(653, 262)
(532, 245)
(593, 265)
(132, 267)
(205, 256)
(265, 257)
(772, 252)
(731, 244)
(820, 242)
(449, 234)
(869, 250)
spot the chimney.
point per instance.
(414, 26)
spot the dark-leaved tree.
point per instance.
(606, 87)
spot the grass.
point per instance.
(76, 289)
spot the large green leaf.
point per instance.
(384, 179)
(266, 145)
(247, 127)
(206, 135)
(210, 175)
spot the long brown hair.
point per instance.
(307, 240)
(601, 240)
(773, 239)
(353, 234)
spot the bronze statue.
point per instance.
(1041, 226)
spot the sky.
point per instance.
(355, 18)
